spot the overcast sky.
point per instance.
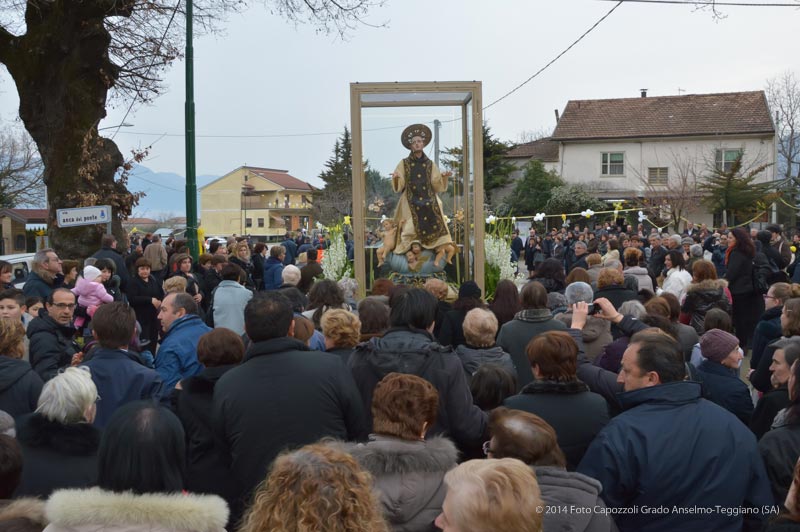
(267, 77)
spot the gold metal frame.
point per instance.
(425, 94)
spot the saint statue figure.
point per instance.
(419, 211)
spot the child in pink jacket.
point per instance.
(91, 293)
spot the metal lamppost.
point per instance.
(191, 180)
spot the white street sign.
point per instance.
(100, 214)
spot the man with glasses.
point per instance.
(46, 274)
(51, 334)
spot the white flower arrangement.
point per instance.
(498, 254)
(335, 265)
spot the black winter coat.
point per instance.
(452, 331)
(207, 463)
(576, 414)
(415, 352)
(515, 335)
(780, 448)
(248, 269)
(51, 345)
(767, 408)
(702, 297)
(740, 273)
(140, 297)
(283, 395)
(119, 263)
(56, 455)
(20, 386)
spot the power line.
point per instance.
(556, 58)
(707, 3)
(268, 136)
(153, 62)
(327, 133)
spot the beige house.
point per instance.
(12, 229)
(261, 202)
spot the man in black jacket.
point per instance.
(108, 250)
(51, 335)
(408, 347)
(283, 395)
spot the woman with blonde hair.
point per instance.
(239, 254)
(19, 384)
(342, 331)
(315, 488)
(59, 443)
(501, 495)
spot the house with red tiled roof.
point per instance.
(627, 148)
(255, 201)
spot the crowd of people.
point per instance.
(143, 391)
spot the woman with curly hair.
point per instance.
(407, 466)
(342, 331)
(318, 487)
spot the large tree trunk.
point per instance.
(63, 80)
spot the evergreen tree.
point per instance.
(737, 195)
(533, 191)
(335, 199)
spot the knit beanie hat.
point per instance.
(90, 273)
(716, 344)
(469, 289)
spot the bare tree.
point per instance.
(783, 95)
(530, 135)
(21, 182)
(67, 57)
(671, 192)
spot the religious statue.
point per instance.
(419, 214)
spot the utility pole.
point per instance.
(436, 126)
(191, 180)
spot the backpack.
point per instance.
(761, 272)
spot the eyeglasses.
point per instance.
(63, 306)
(487, 448)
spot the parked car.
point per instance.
(21, 264)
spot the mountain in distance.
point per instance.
(164, 192)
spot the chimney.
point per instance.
(557, 117)
(644, 93)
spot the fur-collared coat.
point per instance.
(702, 297)
(409, 477)
(95, 509)
(22, 515)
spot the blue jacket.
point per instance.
(671, 448)
(177, 357)
(726, 389)
(273, 271)
(120, 378)
(291, 251)
(35, 286)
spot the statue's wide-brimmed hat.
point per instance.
(416, 130)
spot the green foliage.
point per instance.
(735, 194)
(338, 171)
(496, 169)
(571, 199)
(533, 191)
(381, 199)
